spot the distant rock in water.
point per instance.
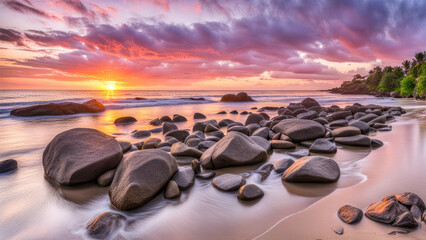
(65, 108)
(8, 165)
(240, 97)
(104, 225)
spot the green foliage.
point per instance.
(418, 70)
(419, 57)
(374, 79)
(398, 72)
(421, 85)
(406, 65)
(389, 82)
(407, 85)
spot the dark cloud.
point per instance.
(28, 8)
(11, 36)
(87, 12)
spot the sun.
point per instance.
(110, 87)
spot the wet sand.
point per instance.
(399, 166)
(32, 208)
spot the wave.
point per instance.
(133, 103)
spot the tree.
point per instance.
(377, 69)
(407, 66)
(389, 82)
(419, 57)
(357, 76)
(398, 72)
(407, 85)
(370, 72)
(388, 69)
(421, 85)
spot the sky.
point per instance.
(203, 44)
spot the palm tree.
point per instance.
(388, 69)
(419, 57)
(407, 66)
(371, 72)
(377, 69)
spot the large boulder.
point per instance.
(322, 145)
(124, 120)
(65, 108)
(300, 129)
(346, 131)
(253, 118)
(140, 177)
(356, 141)
(80, 155)
(228, 182)
(309, 102)
(240, 97)
(235, 149)
(385, 211)
(312, 169)
(184, 178)
(349, 214)
(181, 149)
(180, 135)
(250, 192)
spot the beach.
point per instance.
(34, 208)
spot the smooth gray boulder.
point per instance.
(253, 118)
(322, 145)
(178, 134)
(168, 127)
(184, 178)
(345, 131)
(249, 192)
(405, 220)
(106, 178)
(356, 141)
(300, 129)
(241, 129)
(261, 132)
(312, 169)
(141, 134)
(385, 211)
(235, 149)
(80, 155)
(172, 190)
(125, 120)
(282, 144)
(282, 164)
(199, 116)
(140, 176)
(181, 149)
(228, 182)
(363, 127)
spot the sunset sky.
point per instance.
(204, 44)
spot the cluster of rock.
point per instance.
(359, 87)
(138, 172)
(405, 210)
(240, 97)
(65, 108)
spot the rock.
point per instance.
(104, 225)
(172, 190)
(345, 131)
(321, 120)
(8, 165)
(178, 134)
(228, 182)
(53, 109)
(337, 229)
(405, 220)
(309, 102)
(265, 116)
(244, 113)
(386, 210)
(356, 141)
(124, 120)
(106, 178)
(312, 169)
(282, 164)
(125, 146)
(349, 214)
(241, 129)
(253, 127)
(179, 118)
(225, 122)
(181, 149)
(263, 143)
(395, 95)
(299, 153)
(253, 118)
(339, 115)
(221, 112)
(363, 127)
(282, 144)
(204, 176)
(240, 97)
(416, 212)
(380, 119)
(367, 117)
(233, 112)
(338, 123)
(80, 155)
(196, 166)
(140, 177)
(300, 129)
(156, 122)
(308, 115)
(141, 134)
(210, 128)
(218, 134)
(235, 149)
(193, 142)
(375, 143)
(165, 148)
(409, 199)
(151, 143)
(322, 145)
(261, 132)
(165, 119)
(249, 192)
(204, 145)
(265, 171)
(199, 116)
(156, 130)
(168, 127)
(184, 178)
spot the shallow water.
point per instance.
(32, 208)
